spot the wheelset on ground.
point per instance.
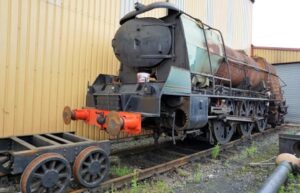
(51, 172)
(91, 166)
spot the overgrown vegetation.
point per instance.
(121, 171)
(134, 183)
(144, 187)
(249, 151)
(182, 172)
(215, 151)
(197, 174)
(293, 184)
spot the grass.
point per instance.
(121, 171)
(249, 151)
(197, 174)
(134, 183)
(151, 187)
(215, 151)
(293, 184)
(144, 187)
(181, 172)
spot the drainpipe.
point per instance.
(278, 177)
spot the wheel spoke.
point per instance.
(84, 171)
(52, 164)
(35, 186)
(60, 167)
(44, 167)
(59, 185)
(41, 189)
(97, 156)
(62, 175)
(87, 164)
(101, 160)
(90, 158)
(37, 175)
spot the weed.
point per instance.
(121, 171)
(182, 172)
(215, 151)
(281, 189)
(161, 187)
(197, 174)
(251, 150)
(291, 177)
(134, 183)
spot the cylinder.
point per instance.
(278, 177)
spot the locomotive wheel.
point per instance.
(244, 128)
(223, 132)
(231, 107)
(250, 113)
(91, 166)
(261, 111)
(49, 172)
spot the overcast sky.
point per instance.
(276, 23)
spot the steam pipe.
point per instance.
(278, 177)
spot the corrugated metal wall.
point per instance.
(289, 73)
(50, 49)
(277, 55)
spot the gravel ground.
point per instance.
(231, 171)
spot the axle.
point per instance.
(111, 121)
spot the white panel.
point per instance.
(289, 73)
(127, 6)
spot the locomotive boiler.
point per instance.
(178, 77)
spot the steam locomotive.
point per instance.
(179, 78)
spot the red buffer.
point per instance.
(111, 121)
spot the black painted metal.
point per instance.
(20, 151)
(92, 167)
(289, 143)
(47, 173)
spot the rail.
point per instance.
(164, 167)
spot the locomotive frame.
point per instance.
(47, 162)
(202, 103)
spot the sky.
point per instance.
(276, 23)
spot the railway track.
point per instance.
(150, 160)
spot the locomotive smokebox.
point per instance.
(142, 42)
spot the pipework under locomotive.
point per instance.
(177, 77)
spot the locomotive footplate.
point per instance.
(45, 160)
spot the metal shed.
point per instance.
(287, 62)
(290, 74)
(51, 49)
